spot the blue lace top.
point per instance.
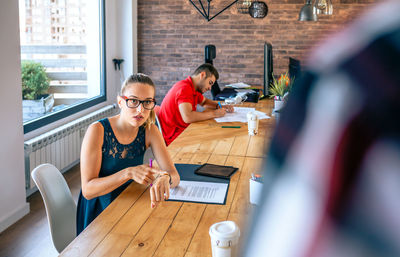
(115, 157)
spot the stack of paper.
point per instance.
(238, 85)
(240, 115)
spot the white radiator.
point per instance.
(61, 146)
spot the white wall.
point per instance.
(126, 49)
(120, 39)
(12, 178)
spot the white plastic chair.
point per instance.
(60, 207)
(158, 125)
(149, 152)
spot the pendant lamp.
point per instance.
(307, 13)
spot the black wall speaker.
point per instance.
(268, 67)
(209, 53)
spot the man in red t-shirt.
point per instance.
(178, 108)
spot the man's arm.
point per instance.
(207, 103)
(189, 116)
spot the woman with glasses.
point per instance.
(113, 149)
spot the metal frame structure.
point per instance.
(206, 14)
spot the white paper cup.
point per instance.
(255, 191)
(252, 123)
(224, 239)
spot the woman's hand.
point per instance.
(142, 174)
(159, 191)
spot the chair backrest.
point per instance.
(158, 124)
(60, 207)
(148, 154)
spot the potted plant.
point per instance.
(280, 89)
(35, 86)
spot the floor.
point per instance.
(30, 236)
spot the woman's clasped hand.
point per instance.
(158, 180)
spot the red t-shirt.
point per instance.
(170, 118)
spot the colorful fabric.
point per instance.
(333, 167)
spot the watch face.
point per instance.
(258, 9)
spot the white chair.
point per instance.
(158, 125)
(60, 207)
(149, 152)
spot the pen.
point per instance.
(151, 166)
(220, 106)
(230, 127)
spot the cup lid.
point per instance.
(225, 230)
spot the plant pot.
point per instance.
(32, 109)
(278, 105)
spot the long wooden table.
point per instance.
(129, 227)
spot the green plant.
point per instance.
(35, 81)
(281, 86)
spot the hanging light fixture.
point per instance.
(243, 6)
(323, 7)
(258, 9)
(206, 14)
(307, 13)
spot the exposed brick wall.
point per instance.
(172, 36)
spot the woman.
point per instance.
(113, 149)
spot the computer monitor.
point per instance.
(268, 68)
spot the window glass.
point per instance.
(62, 58)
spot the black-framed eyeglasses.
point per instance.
(148, 104)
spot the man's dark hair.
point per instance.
(208, 68)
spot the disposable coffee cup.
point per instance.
(224, 239)
(252, 123)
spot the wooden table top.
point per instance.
(129, 227)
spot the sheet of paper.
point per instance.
(243, 109)
(238, 85)
(203, 192)
(240, 115)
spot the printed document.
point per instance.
(240, 115)
(202, 192)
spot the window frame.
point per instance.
(39, 122)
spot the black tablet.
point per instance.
(217, 171)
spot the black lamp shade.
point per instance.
(258, 9)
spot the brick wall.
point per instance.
(172, 36)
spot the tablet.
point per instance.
(217, 171)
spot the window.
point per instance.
(65, 39)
